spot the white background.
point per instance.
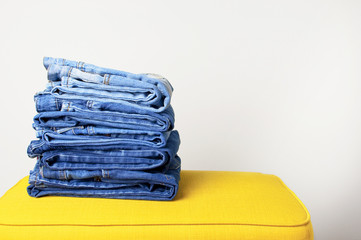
(264, 86)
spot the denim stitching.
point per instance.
(56, 104)
(105, 79)
(36, 178)
(69, 71)
(36, 146)
(41, 171)
(80, 66)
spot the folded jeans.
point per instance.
(94, 136)
(121, 159)
(80, 80)
(38, 147)
(110, 184)
(72, 114)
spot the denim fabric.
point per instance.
(121, 159)
(57, 113)
(104, 133)
(122, 184)
(80, 80)
(94, 136)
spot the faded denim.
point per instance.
(104, 133)
(95, 136)
(153, 185)
(79, 80)
(58, 113)
(120, 159)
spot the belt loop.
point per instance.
(105, 79)
(69, 72)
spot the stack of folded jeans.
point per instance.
(104, 133)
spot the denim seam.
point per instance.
(105, 79)
(56, 104)
(81, 66)
(36, 178)
(37, 146)
(41, 171)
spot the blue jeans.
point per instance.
(104, 133)
(58, 113)
(121, 159)
(84, 81)
(95, 136)
(146, 185)
(38, 147)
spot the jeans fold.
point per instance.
(145, 91)
(104, 133)
(116, 184)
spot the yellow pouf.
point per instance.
(209, 205)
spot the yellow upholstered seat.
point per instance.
(209, 205)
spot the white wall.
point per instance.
(265, 86)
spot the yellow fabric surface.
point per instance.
(209, 205)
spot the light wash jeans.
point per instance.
(59, 113)
(79, 80)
